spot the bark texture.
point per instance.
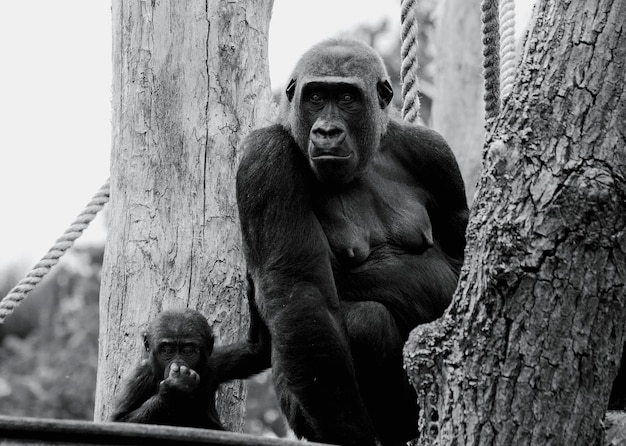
(458, 107)
(190, 80)
(527, 352)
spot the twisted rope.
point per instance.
(491, 59)
(507, 48)
(19, 292)
(408, 69)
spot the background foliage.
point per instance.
(49, 346)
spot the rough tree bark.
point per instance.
(458, 110)
(527, 352)
(190, 80)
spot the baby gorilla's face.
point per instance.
(181, 354)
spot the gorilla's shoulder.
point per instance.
(270, 157)
(268, 139)
(414, 136)
(266, 146)
(416, 142)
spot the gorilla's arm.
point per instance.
(240, 360)
(435, 166)
(244, 359)
(289, 260)
(281, 234)
(138, 403)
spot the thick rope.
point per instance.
(507, 48)
(19, 292)
(491, 60)
(408, 69)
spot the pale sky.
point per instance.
(55, 92)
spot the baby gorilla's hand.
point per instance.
(180, 378)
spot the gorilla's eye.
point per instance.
(347, 98)
(166, 350)
(316, 98)
(190, 350)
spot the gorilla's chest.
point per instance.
(377, 210)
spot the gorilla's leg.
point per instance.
(313, 372)
(376, 346)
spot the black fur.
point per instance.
(154, 394)
(150, 397)
(353, 226)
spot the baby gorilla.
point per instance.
(176, 385)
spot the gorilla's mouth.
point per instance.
(331, 156)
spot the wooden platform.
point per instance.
(39, 431)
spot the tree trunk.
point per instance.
(528, 350)
(458, 106)
(190, 80)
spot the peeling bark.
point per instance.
(527, 352)
(190, 80)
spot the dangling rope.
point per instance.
(408, 69)
(19, 292)
(491, 60)
(498, 29)
(507, 48)
(498, 19)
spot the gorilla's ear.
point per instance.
(146, 342)
(291, 89)
(385, 93)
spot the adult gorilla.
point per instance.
(353, 226)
